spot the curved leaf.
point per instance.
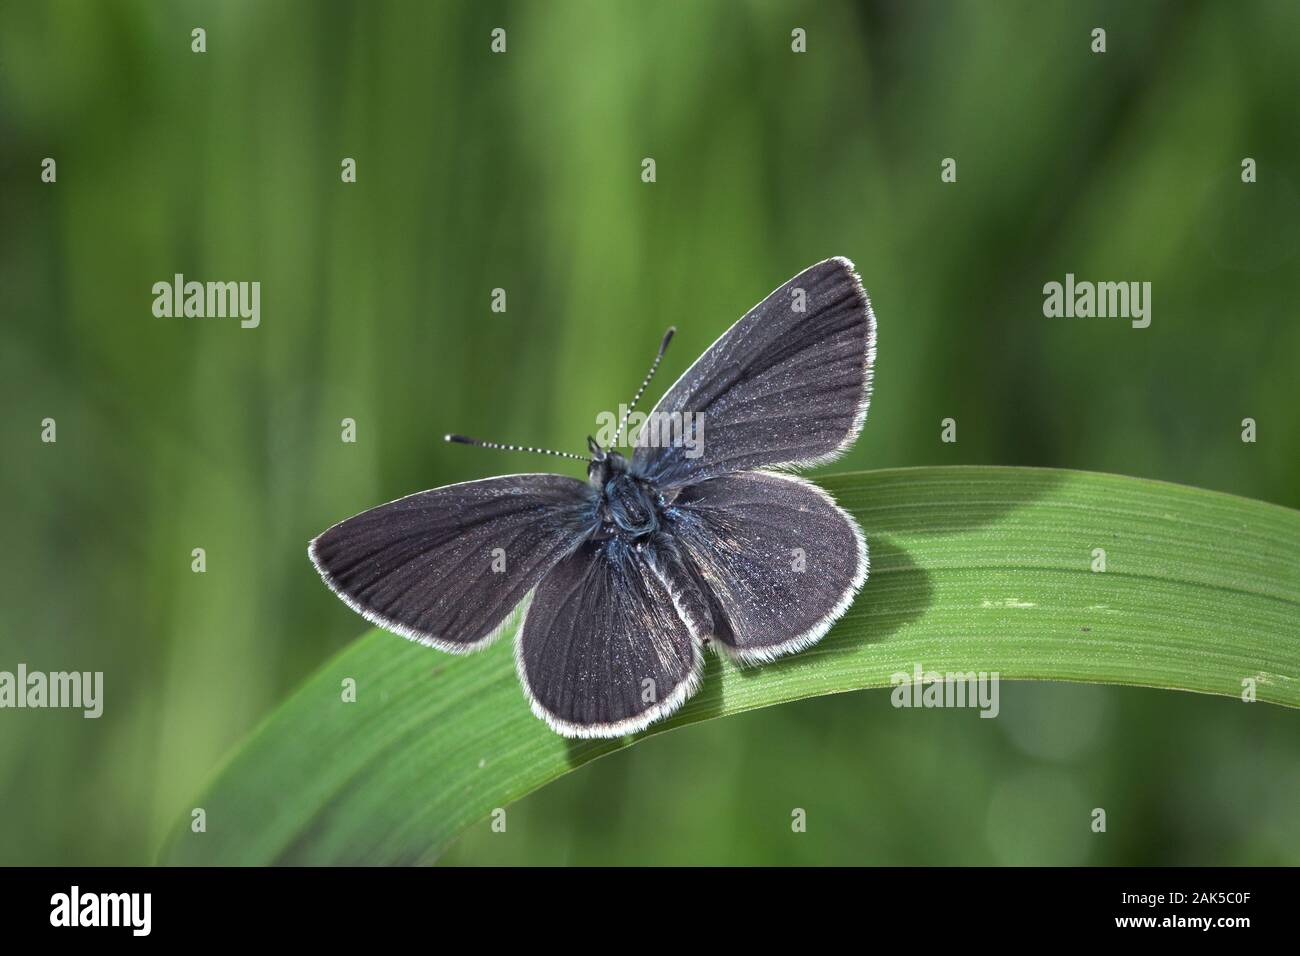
(973, 568)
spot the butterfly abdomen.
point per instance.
(683, 584)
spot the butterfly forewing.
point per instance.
(788, 384)
(446, 567)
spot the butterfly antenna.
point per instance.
(654, 367)
(463, 440)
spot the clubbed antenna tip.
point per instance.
(668, 337)
(654, 367)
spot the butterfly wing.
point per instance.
(779, 560)
(781, 387)
(446, 567)
(603, 650)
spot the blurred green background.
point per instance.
(522, 171)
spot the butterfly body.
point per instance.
(629, 507)
(619, 581)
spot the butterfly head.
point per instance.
(606, 464)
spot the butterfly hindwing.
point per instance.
(446, 567)
(780, 560)
(787, 385)
(603, 650)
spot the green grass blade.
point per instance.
(972, 568)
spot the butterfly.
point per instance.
(617, 583)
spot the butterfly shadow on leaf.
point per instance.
(899, 591)
(896, 593)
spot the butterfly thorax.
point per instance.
(629, 506)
